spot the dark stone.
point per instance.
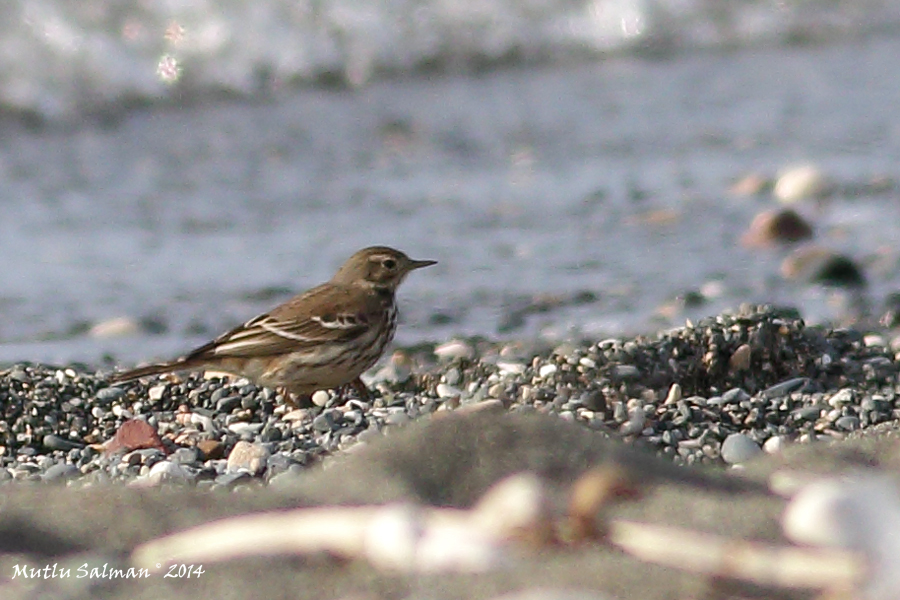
(54, 442)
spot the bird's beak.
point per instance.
(418, 264)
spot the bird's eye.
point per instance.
(390, 263)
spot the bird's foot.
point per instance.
(357, 386)
(295, 400)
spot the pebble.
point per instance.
(847, 423)
(447, 391)
(452, 377)
(635, 423)
(60, 472)
(397, 418)
(740, 360)
(510, 368)
(800, 183)
(165, 472)
(204, 422)
(815, 264)
(320, 398)
(454, 350)
(843, 397)
(752, 184)
(115, 327)
(324, 422)
(738, 448)
(627, 372)
(674, 394)
(771, 228)
(242, 428)
(231, 478)
(775, 444)
(807, 413)
(185, 456)
(211, 449)
(54, 442)
(110, 394)
(860, 514)
(547, 370)
(784, 388)
(248, 457)
(228, 403)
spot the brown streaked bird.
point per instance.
(322, 339)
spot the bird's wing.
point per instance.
(324, 315)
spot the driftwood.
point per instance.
(514, 512)
(403, 537)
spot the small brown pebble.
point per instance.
(773, 227)
(489, 405)
(753, 184)
(740, 360)
(211, 449)
(134, 434)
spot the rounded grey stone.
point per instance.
(738, 448)
(324, 422)
(848, 423)
(228, 404)
(60, 472)
(807, 413)
(109, 394)
(231, 478)
(185, 456)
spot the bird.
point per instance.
(322, 339)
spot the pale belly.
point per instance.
(331, 368)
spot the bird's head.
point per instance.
(378, 266)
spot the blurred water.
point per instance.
(561, 198)
(60, 59)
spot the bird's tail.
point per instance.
(157, 369)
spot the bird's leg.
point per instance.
(295, 400)
(361, 390)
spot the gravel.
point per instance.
(679, 393)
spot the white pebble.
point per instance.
(203, 422)
(587, 363)
(241, 427)
(115, 327)
(164, 471)
(775, 444)
(801, 182)
(121, 412)
(861, 514)
(511, 368)
(874, 339)
(156, 392)
(447, 391)
(454, 349)
(320, 398)
(844, 396)
(547, 370)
